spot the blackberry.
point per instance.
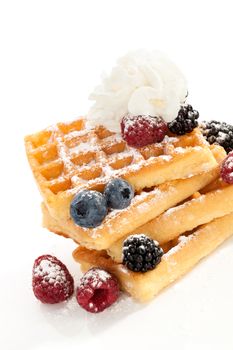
(219, 133)
(140, 253)
(185, 122)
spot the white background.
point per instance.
(52, 54)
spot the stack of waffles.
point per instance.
(180, 200)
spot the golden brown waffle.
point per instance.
(67, 157)
(201, 223)
(143, 208)
(185, 217)
(166, 177)
(187, 233)
(175, 263)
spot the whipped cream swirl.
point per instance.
(141, 83)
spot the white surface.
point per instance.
(52, 53)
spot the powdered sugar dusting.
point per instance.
(166, 158)
(183, 150)
(227, 169)
(222, 136)
(169, 140)
(180, 150)
(130, 121)
(138, 235)
(76, 133)
(50, 272)
(63, 153)
(172, 211)
(83, 147)
(95, 277)
(182, 241)
(229, 162)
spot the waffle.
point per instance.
(68, 157)
(183, 218)
(187, 233)
(182, 257)
(143, 208)
(179, 199)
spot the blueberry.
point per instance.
(88, 208)
(118, 193)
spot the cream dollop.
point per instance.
(142, 83)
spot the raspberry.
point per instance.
(227, 169)
(140, 253)
(51, 280)
(141, 130)
(97, 291)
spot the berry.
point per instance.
(98, 290)
(141, 130)
(219, 133)
(51, 280)
(88, 208)
(118, 193)
(185, 122)
(140, 253)
(227, 169)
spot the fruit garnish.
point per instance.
(141, 253)
(88, 208)
(97, 291)
(185, 122)
(219, 133)
(227, 169)
(141, 130)
(51, 281)
(118, 193)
